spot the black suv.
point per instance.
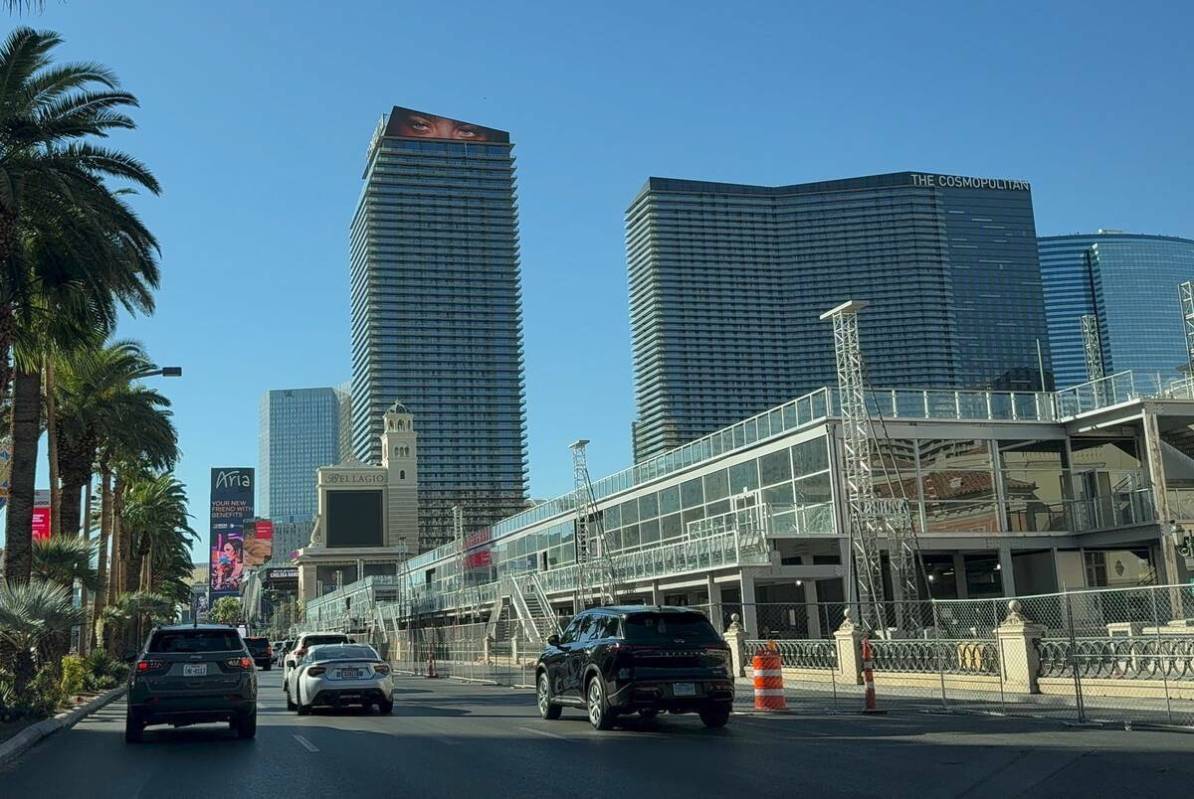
(636, 658)
(191, 674)
(262, 652)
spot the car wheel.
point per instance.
(267, 666)
(547, 709)
(599, 713)
(246, 725)
(303, 710)
(133, 727)
(385, 707)
(715, 717)
(290, 705)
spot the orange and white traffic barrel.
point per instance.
(769, 679)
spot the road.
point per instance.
(447, 739)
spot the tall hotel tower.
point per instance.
(727, 284)
(437, 314)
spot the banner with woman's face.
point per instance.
(407, 123)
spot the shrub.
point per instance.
(74, 672)
(103, 671)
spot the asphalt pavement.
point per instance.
(447, 739)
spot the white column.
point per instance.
(1007, 571)
(656, 598)
(750, 617)
(714, 593)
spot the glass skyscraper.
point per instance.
(727, 283)
(300, 431)
(437, 314)
(1129, 283)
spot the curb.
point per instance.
(17, 745)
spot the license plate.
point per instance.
(684, 689)
(349, 674)
(194, 670)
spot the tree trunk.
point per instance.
(105, 533)
(52, 450)
(130, 554)
(76, 459)
(85, 634)
(26, 413)
(69, 505)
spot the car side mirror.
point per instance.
(553, 640)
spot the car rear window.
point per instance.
(196, 641)
(257, 644)
(319, 640)
(668, 628)
(347, 652)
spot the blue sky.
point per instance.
(255, 117)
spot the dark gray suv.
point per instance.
(192, 674)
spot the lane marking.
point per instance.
(310, 747)
(545, 733)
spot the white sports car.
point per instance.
(339, 675)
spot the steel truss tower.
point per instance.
(594, 551)
(1185, 293)
(1092, 346)
(869, 516)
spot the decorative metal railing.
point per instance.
(814, 654)
(937, 655)
(1155, 657)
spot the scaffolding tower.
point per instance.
(1092, 346)
(870, 516)
(595, 573)
(1185, 293)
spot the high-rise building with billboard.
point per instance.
(727, 283)
(437, 316)
(1128, 282)
(300, 431)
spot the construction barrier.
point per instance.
(769, 679)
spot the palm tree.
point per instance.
(135, 435)
(69, 243)
(89, 386)
(155, 517)
(31, 614)
(63, 560)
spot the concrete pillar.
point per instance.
(656, 597)
(1017, 638)
(812, 608)
(1007, 571)
(750, 616)
(714, 592)
(514, 648)
(736, 637)
(960, 575)
(848, 638)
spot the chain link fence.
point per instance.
(1106, 655)
(1103, 655)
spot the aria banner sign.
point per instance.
(231, 507)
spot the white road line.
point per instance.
(544, 733)
(310, 747)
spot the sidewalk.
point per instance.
(26, 737)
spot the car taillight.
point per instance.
(240, 663)
(269, 651)
(381, 668)
(145, 666)
(315, 671)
